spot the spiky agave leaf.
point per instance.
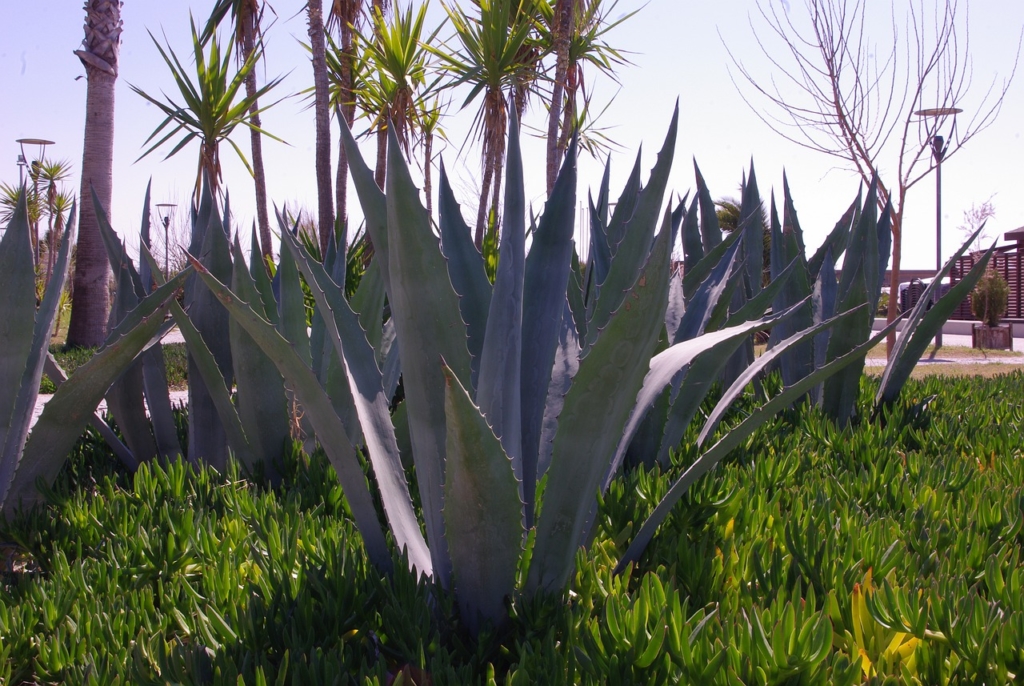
(924, 322)
(736, 435)
(125, 397)
(66, 414)
(596, 408)
(483, 513)
(370, 405)
(330, 431)
(28, 346)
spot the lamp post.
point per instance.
(166, 210)
(939, 145)
(34, 175)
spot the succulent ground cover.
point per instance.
(813, 554)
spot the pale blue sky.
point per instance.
(678, 52)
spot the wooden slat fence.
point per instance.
(1008, 261)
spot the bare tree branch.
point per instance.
(833, 84)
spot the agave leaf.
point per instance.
(676, 303)
(840, 392)
(861, 247)
(600, 251)
(466, 270)
(371, 405)
(58, 376)
(712, 258)
(292, 306)
(217, 395)
(693, 247)
(206, 433)
(642, 447)
(371, 200)
(837, 240)
(17, 320)
(260, 277)
(482, 511)
(710, 350)
(706, 298)
(261, 401)
(317, 405)
(596, 408)
(576, 295)
(544, 305)
(688, 392)
(15, 426)
(823, 304)
(710, 232)
(638, 234)
(67, 412)
(758, 305)
(762, 363)
(615, 227)
(426, 313)
(785, 255)
(498, 392)
(735, 437)
(125, 397)
(154, 369)
(563, 371)
(790, 222)
(368, 302)
(753, 233)
(923, 323)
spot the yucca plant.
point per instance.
(500, 389)
(213, 104)
(24, 339)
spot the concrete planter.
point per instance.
(999, 337)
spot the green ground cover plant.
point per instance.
(71, 359)
(890, 548)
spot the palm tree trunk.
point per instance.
(325, 202)
(91, 295)
(259, 173)
(428, 145)
(562, 22)
(348, 111)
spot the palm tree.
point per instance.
(392, 88)
(247, 18)
(429, 124)
(345, 15)
(57, 204)
(321, 98)
(498, 58)
(99, 54)
(212, 107)
(578, 27)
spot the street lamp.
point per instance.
(34, 174)
(166, 209)
(939, 145)
(23, 161)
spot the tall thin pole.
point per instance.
(167, 223)
(939, 151)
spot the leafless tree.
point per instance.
(974, 219)
(840, 86)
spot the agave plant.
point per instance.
(502, 386)
(27, 458)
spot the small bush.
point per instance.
(988, 301)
